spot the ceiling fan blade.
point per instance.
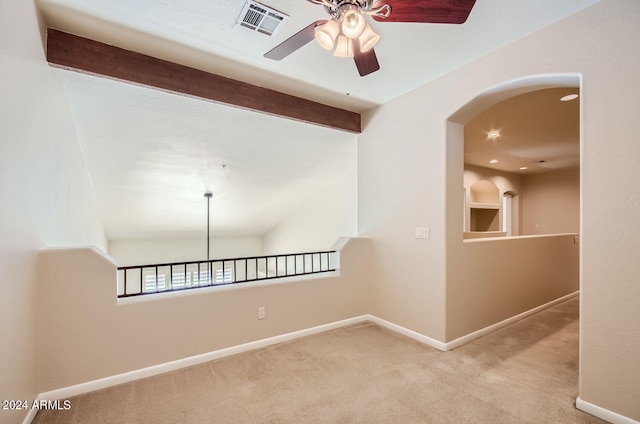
(366, 62)
(294, 42)
(427, 11)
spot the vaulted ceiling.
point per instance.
(152, 154)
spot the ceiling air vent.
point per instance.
(261, 18)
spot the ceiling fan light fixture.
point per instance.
(352, 22)
(343, 47)
(368, 39)
(350, 16)
(327, 33)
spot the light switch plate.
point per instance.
(422, 232)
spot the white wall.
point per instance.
(409, 175)
(551, 202)
(318, 223)
(143, 252)
(45, 194)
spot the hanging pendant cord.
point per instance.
(208, 196)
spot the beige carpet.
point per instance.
(525, 373)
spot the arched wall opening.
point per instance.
(489, 281)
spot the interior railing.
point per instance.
(138, 280)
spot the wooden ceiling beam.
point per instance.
(84, 55)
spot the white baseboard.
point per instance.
(603, 413)
(30, 416)
(409, 333)
(469, 337)
(78, 389)
(103, 383)
(484, 331)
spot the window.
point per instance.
(179, 280)
(224, 275)
(201, 278)
(154, 282)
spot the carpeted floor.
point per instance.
(524, 373)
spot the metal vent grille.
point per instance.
(261, 18)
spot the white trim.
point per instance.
(97, 250)
(605, 414)
(409, 333)
(202, 290)
(512, 238)
(126, 377)
(31, 414)
(484, 331)
(103, 383)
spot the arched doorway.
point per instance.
(490, 283)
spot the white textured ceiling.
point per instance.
(204, 34)
(151, 155)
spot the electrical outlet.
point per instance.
(261, 313)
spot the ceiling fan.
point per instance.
(348, 34)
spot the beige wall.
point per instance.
(85, 334)
(410, 173)
(547, 203)
(505, 181)
(45, 193)
(409, 176)
(141, 252)
(401, 187)
(551, 203)
(610, 235)
(492, 280)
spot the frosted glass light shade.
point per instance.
(352, 22)
(368, 39)
(343, 47)
(326, 34)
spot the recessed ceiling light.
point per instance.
(493, 134)
(493, 161)
(568, 97)
(522, 168)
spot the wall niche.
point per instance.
(484, 207)
(484, 191)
